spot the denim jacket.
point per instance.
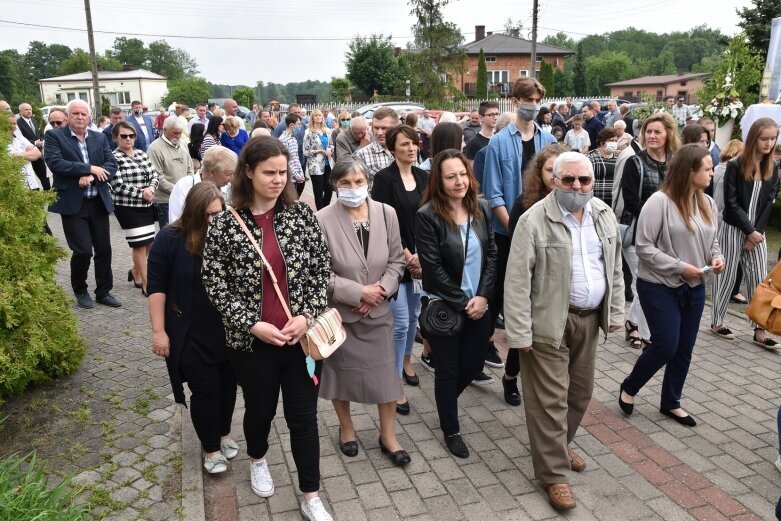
(502, 182)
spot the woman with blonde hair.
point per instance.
(642, 176)
(318, 148)
(234, 137)
(750, 187)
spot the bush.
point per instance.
(38, 331)
(24, 493)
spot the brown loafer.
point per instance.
(560, 496)
(576, 463)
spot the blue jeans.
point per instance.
(673, 316)
(405, 309)
(163, 221)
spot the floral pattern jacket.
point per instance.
(232, 268)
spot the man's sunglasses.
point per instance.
(56, 123)
(569, 180)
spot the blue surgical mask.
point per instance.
(353, 197)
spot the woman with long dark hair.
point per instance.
(263, 342)
(212, 135)
(676, 247)
(187, 329)
(458, 259)
(197, 133)
(750, 187)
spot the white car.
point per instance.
(367, 111)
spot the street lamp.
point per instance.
(407, 90)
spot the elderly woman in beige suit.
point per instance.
(366, 265)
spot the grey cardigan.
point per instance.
(665, 245)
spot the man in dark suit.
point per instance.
(32, 132)
(115, 115)
(145, 130)
(82, 164)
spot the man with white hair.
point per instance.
(171, 160)
(82, 164)
(218, 166)
(567, 237)
(612, 115)
(624, 137)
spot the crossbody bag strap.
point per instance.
(262, 258)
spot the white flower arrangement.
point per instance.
(726, 105)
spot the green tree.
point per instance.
(340, 88)
(513, 28)
(105, 105)
(546, 78)
(481, 85)
(189, 91)
(561, 40)
(437, 55)
(579, 81)
(244, 96)
(562, 83)
(172, 63)
(129, 50)
(756, 21)
(606, 68)
(7, 72)
(80, 62)
(44, 61)
(371, 63)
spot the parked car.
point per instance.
(367, 111)
(578, 104)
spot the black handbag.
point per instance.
(437, 318)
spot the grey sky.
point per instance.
(282, 61)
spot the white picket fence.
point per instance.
(459, 106)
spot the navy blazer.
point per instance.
(141, 142)
(170, 270)
(63, 157)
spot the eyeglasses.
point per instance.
(569, 180)
(127, 136)
(56, 123)
(492, 115)
(212, 215)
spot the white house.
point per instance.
(120, 87)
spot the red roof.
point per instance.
(658, 80)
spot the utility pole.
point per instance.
(93, 63)
(534, 39)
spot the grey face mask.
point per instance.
(573, 201)
(528, 111)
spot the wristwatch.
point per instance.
(310, 320)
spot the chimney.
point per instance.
(127, 67)
(490, 33)
(479, 32)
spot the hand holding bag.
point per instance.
(765, 306)
(323, 337)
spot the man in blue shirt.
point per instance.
(507, 155)
(592, 125)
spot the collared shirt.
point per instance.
(375, 157)
(91, 190)
(142, 125)
(293, 164)
(588, 285)
(680, 114)
(17, 147)
(204, 122)
(425, 123)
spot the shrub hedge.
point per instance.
(39, 336)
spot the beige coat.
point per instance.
(537, 289)
(350, 269)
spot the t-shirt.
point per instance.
(474, 146)
(272, 311)
(528, 154)
(576, 140)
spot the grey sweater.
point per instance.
(665, 245)
(172, 163)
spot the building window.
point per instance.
(490, 59)
(83, 96)
(58, 97)
(71, 96)
(498, 77)
(539, 59)
(683, 84)
(123, 98)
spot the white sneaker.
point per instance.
(778, 463)
(229, 448)
(314, 510)
(215, 464)
(260, 477)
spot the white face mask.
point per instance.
(353, 197)
(611, 146)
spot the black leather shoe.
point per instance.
(683, 420)
(108, 300)
(511, 393)
(456, 446)
(402, 408)
(349, 448)
(85, 301)
(628, 408)
(399, 458)
(412, 380)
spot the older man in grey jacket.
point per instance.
(563, 283)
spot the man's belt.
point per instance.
(583, 312)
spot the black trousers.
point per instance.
(321, 186)
(459, 359)
(85, 231)
(300, 188)
(262, 372)
(502, 254)
(213, 399)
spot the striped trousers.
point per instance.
(754, 262)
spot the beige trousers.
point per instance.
(557, 387)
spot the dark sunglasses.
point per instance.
(56, 123)
(127, 136)
(569, 180)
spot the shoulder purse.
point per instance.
(627, 231)
(327, 334)
(765, 306)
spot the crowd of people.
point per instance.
(543, 221)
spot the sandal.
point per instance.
(768, 343)
(635, 342)
(724, 332)
(738, 298)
